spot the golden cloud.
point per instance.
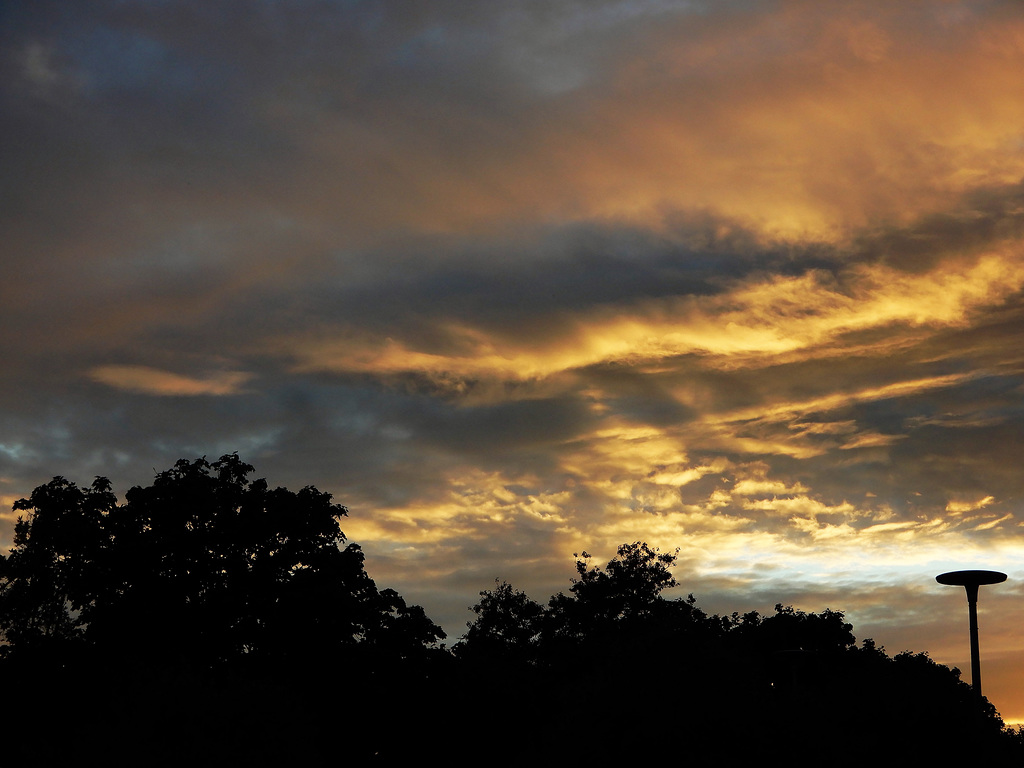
(959, 507)
(810, 120)
(473, 504)
(802, 120)
(756, 320)
(153, 381)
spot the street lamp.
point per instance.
(970, 581)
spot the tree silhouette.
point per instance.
(506, 627)
(203, 566)
(615, 670)
(48, 580)
(204, 618)
(628, 589)
(220, 619)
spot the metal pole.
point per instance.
(972, 610)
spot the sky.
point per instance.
(742, 278)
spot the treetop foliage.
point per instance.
(623, 603)
(665, 664)
(207, 596)
(204, 564)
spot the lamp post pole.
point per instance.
(970, 581)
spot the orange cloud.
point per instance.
(959, 507)
(152, 381)
(798, 119)
(757, 320)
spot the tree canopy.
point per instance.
(637, 672)
(204, 565)
(208, 597)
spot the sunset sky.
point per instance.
(517, 279)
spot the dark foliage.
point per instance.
(616, 670)
(210, 618)
(209, 613)
(204, 567)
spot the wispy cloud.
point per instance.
(152, 381)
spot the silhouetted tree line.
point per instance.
(212, 618)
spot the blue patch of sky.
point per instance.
(14, 452)
(113, 60)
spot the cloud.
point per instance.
(753, 320)
(515, 280)
(151, 381)
(39, 68)
(968, 506)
